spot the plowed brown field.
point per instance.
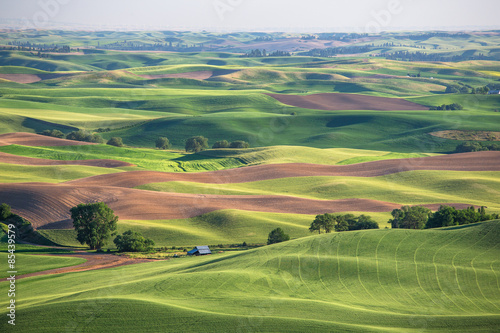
(337, 102)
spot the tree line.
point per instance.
(419, 217)
(257, 53)
(452, 107)
(472, 146)
(82, 135)
(342, 222)
(422, 56)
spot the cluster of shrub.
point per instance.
(452, 107)
(418, 217)
(472, 146)
(84, 136)
(467, 89)
(199, 143)
(339, 222)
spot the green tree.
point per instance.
(277, 236)
(239, 144)
(115, 141)
(444, 217)
(468, 147)
(162, 143)
(132, 241)
(407, 217)
(79, 135)
(94, 223)
(364, 222)
(221, 144)
(95, 138)
(5, 212)
(196, 144)
(85, 136)
(325, 222)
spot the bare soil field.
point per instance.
(30, 78)
(490, 161)
(36, 140)
(338, 102)
(47, 205)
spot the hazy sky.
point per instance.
(277, 15)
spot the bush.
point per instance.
(95, 138)
(452, 107)
(115, 141)
(162, 143)
(239, 144)
(132, 241)
(277, 236)
(468, 147)
(196, 144)
(5, 212)
(472, 146)
(79, 135)
(85, 136)
(221, 144)
(54, 133)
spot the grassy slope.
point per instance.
(371, 281)
(28, 263)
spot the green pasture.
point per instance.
(368, 281)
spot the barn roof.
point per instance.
(201, 250)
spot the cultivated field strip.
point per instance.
(490, 161)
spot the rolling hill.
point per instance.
(368, 281)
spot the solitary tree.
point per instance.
(132, 241)
(196, 144)
(115, 141)
(5, 212)
(94, 223)
(162, 143)
(277, 236)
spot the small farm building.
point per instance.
(493, 92)
(199, 251)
